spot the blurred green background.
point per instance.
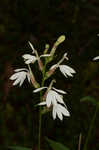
(43, 22)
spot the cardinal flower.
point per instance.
(19, 76)
(58, 110)
(52, 96)
(65, 70)
(32, 58)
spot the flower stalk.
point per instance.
(53, 97)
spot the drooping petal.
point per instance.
(22, 79)
(70, 69)
(66, 70)
(16, 82)
(59, 114)
(60, 91)
(39, 89)
(19, 77)
(49, 98)
(14, 76)
(59, 98)
(28, 77)
(64, 111)
(59, 110)
(54, 113)
(96, 58)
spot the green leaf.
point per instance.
(89, 99)
(19, 148)
(56, 145)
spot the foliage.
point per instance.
(56, 145)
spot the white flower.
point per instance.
(96, 58)
(31, 58)
(59, 110)
(52, 96)
(19, 76)
(65, 70)
(54, 99)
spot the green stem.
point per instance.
(40, 114)
(39, 134)
(90, 128)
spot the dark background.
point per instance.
(43, 22)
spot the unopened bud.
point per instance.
(61, 39)
(46, 48)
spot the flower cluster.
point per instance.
(52, 98)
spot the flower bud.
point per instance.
(61, 39)
(46, 48)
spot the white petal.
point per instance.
(66, 70)
(54, 113)
(59, 114)
(59, 98)
(31, 46)
(64, 111)
(45, 55)
(96, 58)
(30, 61)
(60, 91)
(22, 78)
(42, 103)
(54, 66)
(70, 69)
(22, 69)
(19, 77)
(16, 81)
(14, 76)
(27, 56)
(49, 99)
(28, 76)
(39, 89)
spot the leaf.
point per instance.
(56, 145)
(89, 99)
(19, 148)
